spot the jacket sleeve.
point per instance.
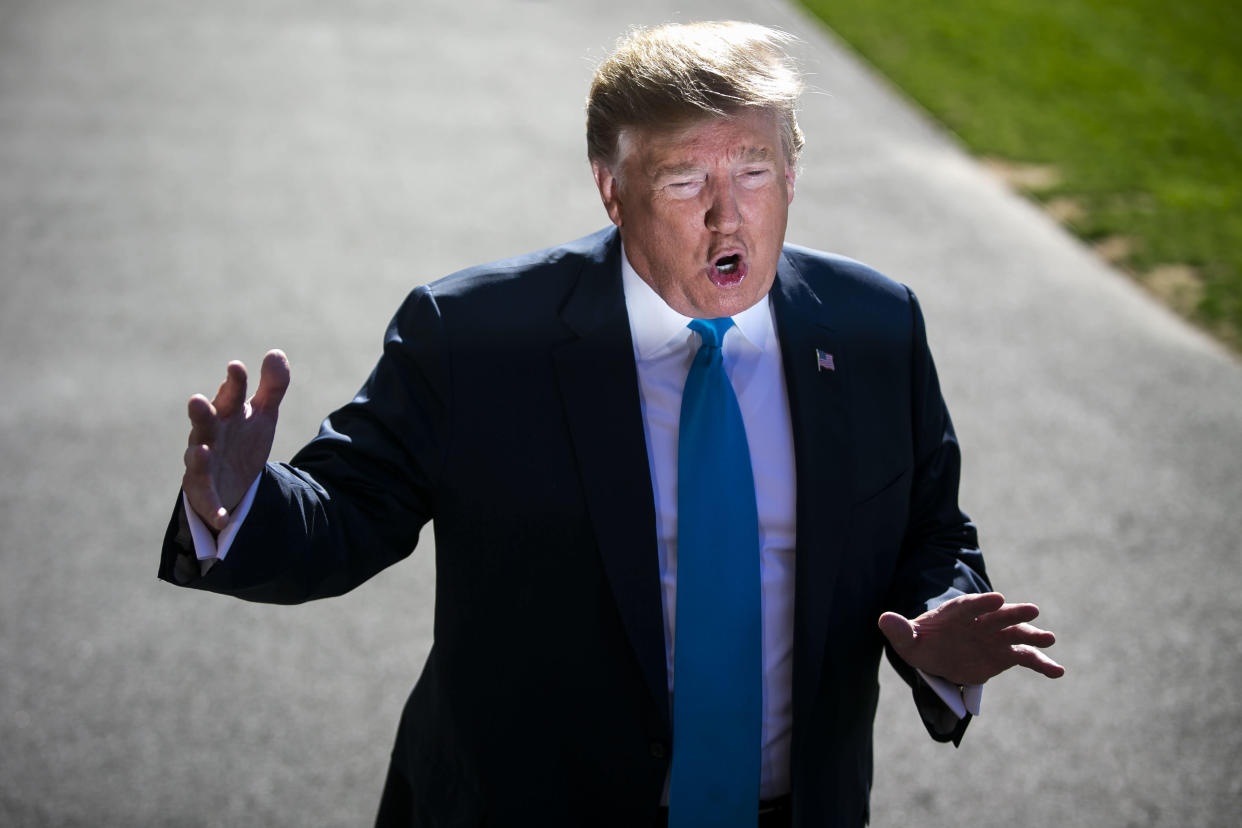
(940, 556)
(353, 500)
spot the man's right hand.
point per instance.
(231, 438)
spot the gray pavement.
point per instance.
(184, 183)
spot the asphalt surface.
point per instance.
(185, 183)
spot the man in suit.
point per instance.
(548, 415)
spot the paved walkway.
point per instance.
(185, 183)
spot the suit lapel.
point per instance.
(818, 407)
(599, 387)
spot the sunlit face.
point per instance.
(702, 210)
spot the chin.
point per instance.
(726, 302)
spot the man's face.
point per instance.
(702, 210)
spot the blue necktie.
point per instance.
(717, 668)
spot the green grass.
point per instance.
(1136, 103)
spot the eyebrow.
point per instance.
(749, 154)
(678, 169)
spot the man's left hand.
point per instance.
(970, 638)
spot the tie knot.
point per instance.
(712, 330)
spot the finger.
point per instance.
(976, 604)
(1009, 615)
(198, 488)
(202, 420)
(232, 394)
(1027, 634)
(897, 629)
(273, 381)
(1038, 661)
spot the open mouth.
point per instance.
(728, 270)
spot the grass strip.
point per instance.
(1123, 116)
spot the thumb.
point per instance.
(897, 629)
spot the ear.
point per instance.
(609, 190)
(790, 175)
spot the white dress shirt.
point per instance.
(663, 351)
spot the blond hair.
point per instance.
(669, 76)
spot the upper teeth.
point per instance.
(727, 265)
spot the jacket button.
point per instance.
(658, 750)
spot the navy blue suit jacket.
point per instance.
(505, 410)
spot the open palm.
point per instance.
(971, 638)
(231, 438)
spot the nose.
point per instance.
(723, 215)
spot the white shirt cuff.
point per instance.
(210, 549)
(961, 699)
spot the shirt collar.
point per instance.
(656, 327)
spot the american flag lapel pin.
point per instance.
(823, 361)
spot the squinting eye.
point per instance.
(685, 189)
(755, 178)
